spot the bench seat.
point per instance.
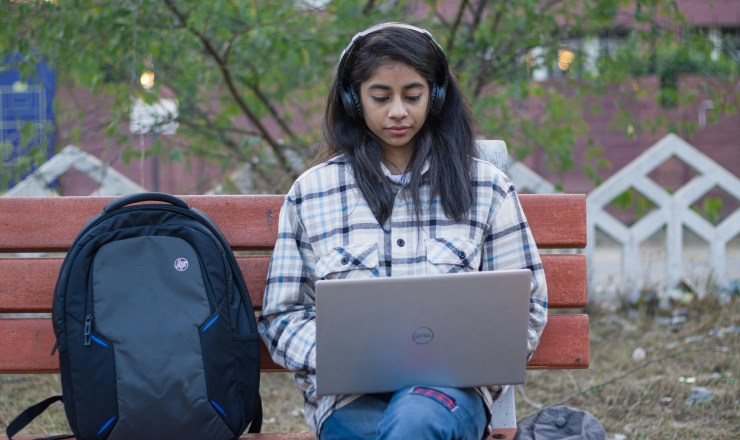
(249, 223)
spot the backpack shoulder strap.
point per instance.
(27, 416)
(256, 425)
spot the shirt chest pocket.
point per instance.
(452, 255)
(352, 261)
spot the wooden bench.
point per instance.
(50, 224)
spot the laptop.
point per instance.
(453, 330)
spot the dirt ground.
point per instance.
(647, 404)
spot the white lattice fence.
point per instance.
(112, 183)
(673, 211)
(525, 179)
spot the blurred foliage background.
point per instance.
(251, 76)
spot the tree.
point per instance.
(251, 76)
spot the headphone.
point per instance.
(350, 100)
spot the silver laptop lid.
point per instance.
(457, 330)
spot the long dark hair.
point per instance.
(447, 138)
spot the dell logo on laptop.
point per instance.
(423, 335)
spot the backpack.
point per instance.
(156, 332)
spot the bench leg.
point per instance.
(504, 417)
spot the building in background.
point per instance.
(720, 20)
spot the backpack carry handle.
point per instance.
(145, 197)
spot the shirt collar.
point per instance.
(388, 173)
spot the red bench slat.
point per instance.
(28, 283)
(564, 344)
(50, 224)
(26, 343)
(567, 281)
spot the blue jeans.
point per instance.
(418, 412)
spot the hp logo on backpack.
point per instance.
(181, 264)
(147, 352)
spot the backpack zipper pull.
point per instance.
(54, 350)
(88, 329)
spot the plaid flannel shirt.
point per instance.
(328, 231)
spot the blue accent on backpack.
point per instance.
(218, 408)
(99, 341)
(106, 425)
(210, 322)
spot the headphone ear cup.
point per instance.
(349, 106)
(356, 103)
(438, 96)
(433, 96)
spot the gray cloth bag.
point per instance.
(562, 423)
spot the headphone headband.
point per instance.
(351, 101)
(381, 26)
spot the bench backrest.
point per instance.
(50, 224)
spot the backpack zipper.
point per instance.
(89, 308)
(88, 328)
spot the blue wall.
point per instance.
(18, 107)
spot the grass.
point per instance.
(282, 403)
(630, 406)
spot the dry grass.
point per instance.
(282, 403)
(630, 406)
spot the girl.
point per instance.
(398, 191)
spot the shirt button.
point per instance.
(400, 242)
(345, 260)
(461, 254)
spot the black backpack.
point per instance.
(156, 332)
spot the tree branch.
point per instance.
(497, 18)
(232, 88)
(477, 18)
(209, 126)
(220, 132)
(484, 71)
(477, 15)
(226, 51)
(273, 111)
(488, 70)
(254, 86)
(456, 25)
(439, 15)
(549, 5)
(368, 7)
(230, 144)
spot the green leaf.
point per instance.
(712, 208)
